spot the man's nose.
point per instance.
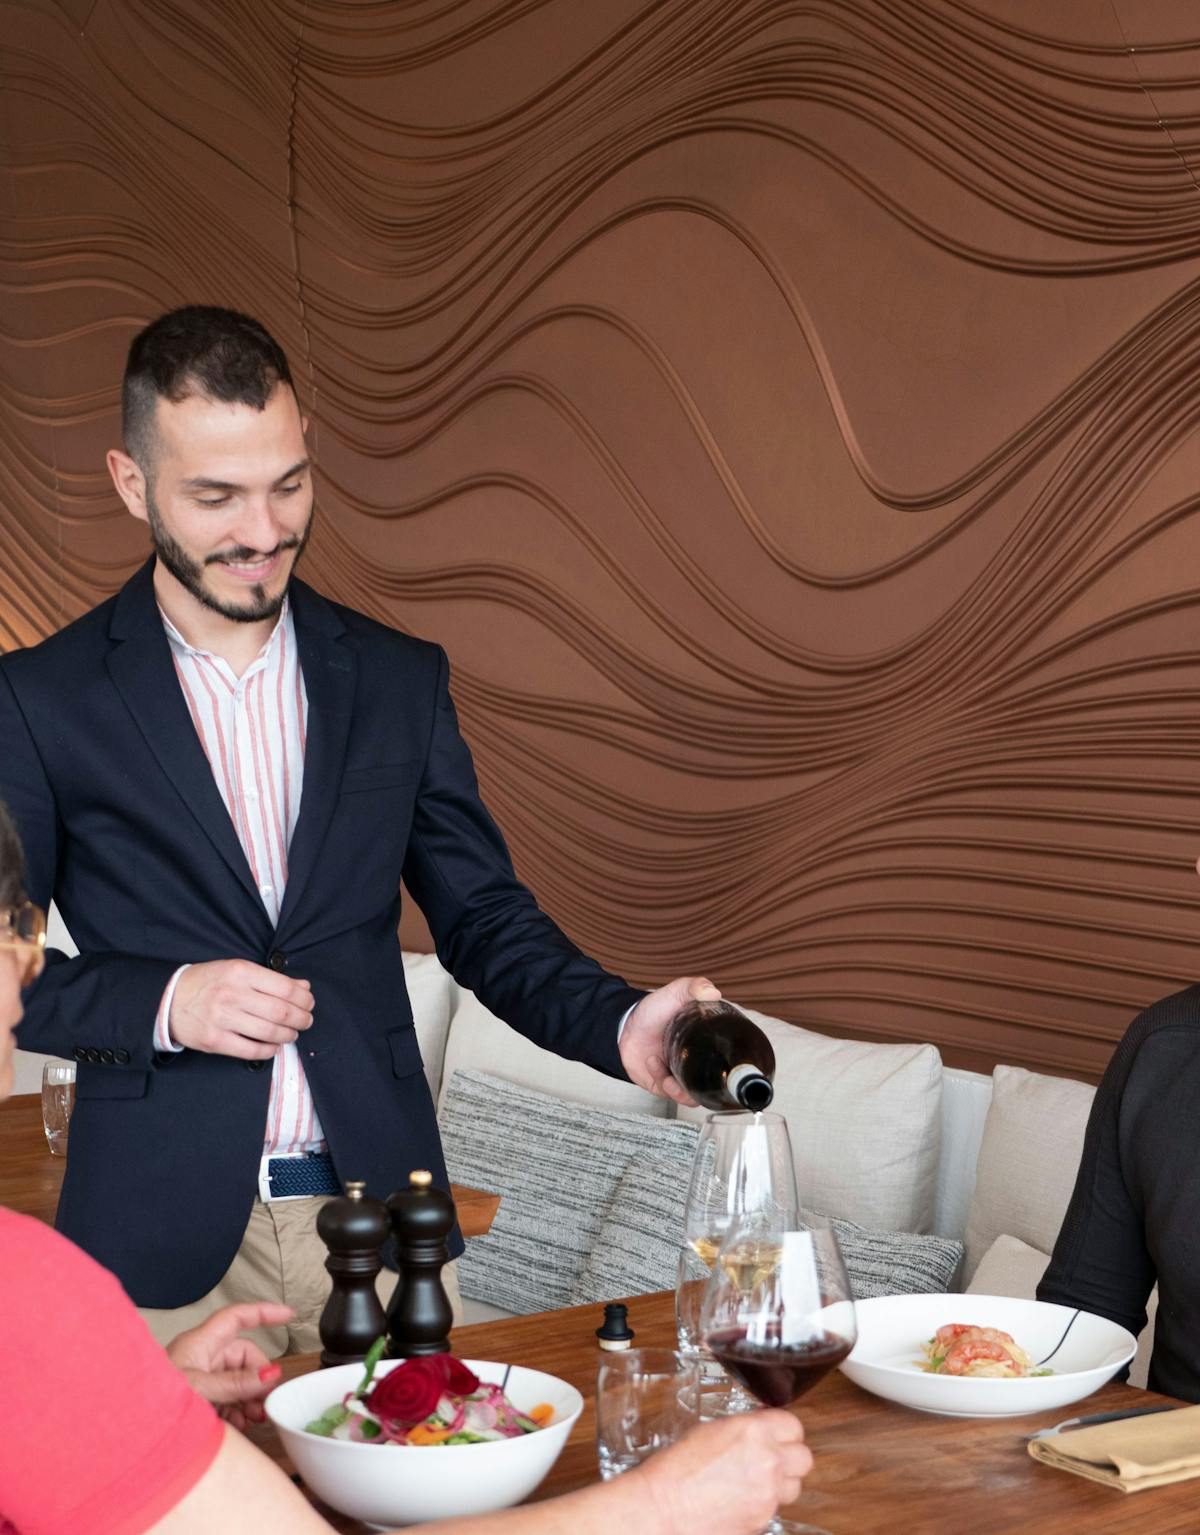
(258, 528)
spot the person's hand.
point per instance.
(641, 1043)
(235, 1007)
(227, 1370)
(727, 1477)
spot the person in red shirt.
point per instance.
(103, 1432)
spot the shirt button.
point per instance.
(251, 794)
(266, 890)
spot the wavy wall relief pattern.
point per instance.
(785, 415)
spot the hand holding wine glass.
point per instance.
(778, 1313)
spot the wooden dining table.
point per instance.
(878, 1469)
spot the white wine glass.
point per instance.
(778, 1313)
(743, 1166)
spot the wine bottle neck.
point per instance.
(749, 1087)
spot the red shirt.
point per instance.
(99, 1433)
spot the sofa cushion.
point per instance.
(638, 1244)
(430, 990)
(1012, 1267)
(865, 1124)
(479, 1041)
(556, 1166)
(1028, 1159)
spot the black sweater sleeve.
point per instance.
(1101, 1260)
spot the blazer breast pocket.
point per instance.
(385, 775)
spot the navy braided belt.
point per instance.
(299, 1177)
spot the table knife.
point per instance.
(1096, 1417)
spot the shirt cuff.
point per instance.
(620, 1026)
(162, 1024)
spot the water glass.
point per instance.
(58, 1099)
(646, 1399)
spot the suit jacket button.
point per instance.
(79, 1053)
(108, 1057)
(93, 1055)
(278, 960)
(255, 1065)
(122, 1057)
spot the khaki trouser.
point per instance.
(281, 1258)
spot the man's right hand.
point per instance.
(235, 1007)
(728, 1477)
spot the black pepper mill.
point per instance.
(353, 1228)
(418, 1314)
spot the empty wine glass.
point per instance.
(778, 1313)
(743, 1166)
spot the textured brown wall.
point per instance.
(785, 415)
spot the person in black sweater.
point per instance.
(1134, 1216)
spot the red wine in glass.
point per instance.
(777, 1373)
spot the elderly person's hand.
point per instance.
(228, 1370)
(641, 1044)
(727, 1477)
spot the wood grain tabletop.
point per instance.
(880, 1469)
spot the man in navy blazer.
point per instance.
(125, 826)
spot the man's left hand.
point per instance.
(641, 1045)
(229, 1371)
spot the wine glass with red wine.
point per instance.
(743, 1166)
(778, 1313)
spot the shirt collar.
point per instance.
(284, 626)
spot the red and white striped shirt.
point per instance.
(253, 731)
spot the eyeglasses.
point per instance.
(24, 928)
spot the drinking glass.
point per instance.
(58, 1099)
(646, 1399)
(779, 1313)
(743, 1166)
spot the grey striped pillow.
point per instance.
(637, 1245)
(556, 1167)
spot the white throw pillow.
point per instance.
(865, 1124)
(1012, 1267)
(1028, 1160)
(479, 1041)
(429, 991)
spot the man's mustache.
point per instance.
(240, 552)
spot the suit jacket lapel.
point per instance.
(140, 665)
(330, 670)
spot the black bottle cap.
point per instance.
(616, 1332)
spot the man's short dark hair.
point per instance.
(201, 350)
(12, 862)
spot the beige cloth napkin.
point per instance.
(1131, 1455)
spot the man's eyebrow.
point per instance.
(202, 482)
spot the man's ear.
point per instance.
(130, 482)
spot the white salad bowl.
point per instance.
(892, 1330)
(390, 1485)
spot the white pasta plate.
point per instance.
(893, 1329)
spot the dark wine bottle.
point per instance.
(720, 1057)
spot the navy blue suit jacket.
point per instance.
(124, 827)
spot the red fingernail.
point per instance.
(270, 1372)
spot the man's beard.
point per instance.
(190, 573)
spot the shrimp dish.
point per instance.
(976, 1352)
